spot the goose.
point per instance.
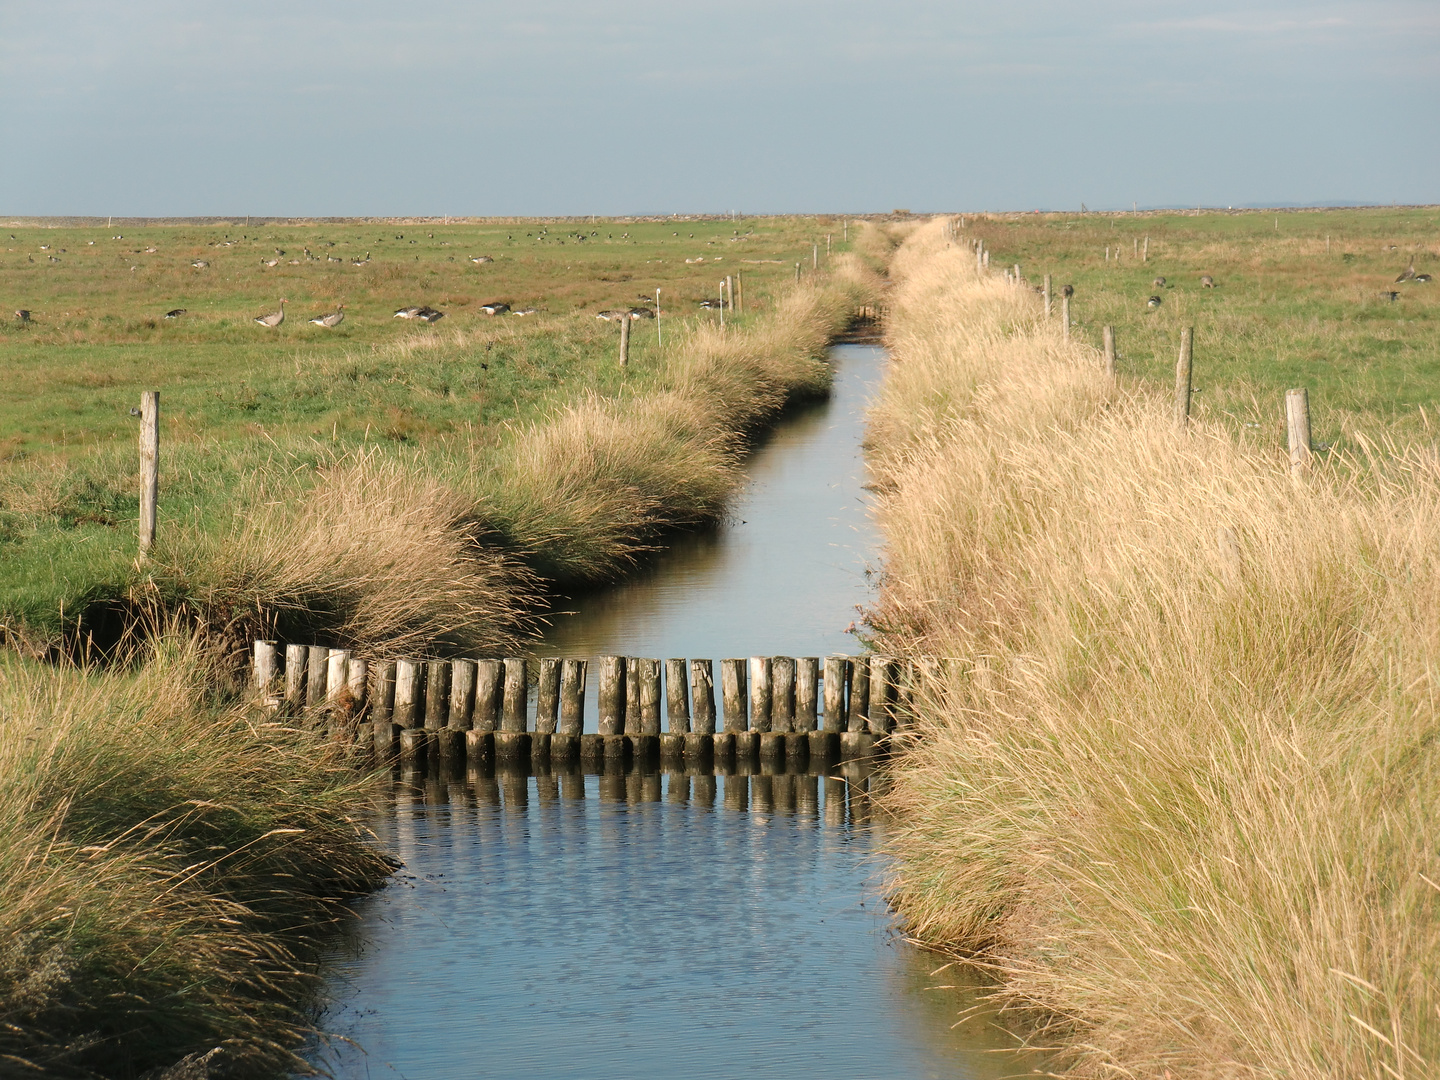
(270, 262)
(175, 313)
(1153, 302)
(612, 314)
(333, 319)
(524, 311)
(481, 259)
(430, 315)
(408, 313)
(1159, 283)
(1067, 290)
(1422, 279)
(199, 264)
(333, 258)
(1408, 275)
(361, 262)
(710, 305)
(275, 318)
(1206, 281)
(495, 307)
(23, 315)
(638, 313)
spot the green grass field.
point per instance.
(1300, 299)
(251, 414)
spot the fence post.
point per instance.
(1109, 336)
(149, 466)
(1065, 316)
(1183, 367)
(1047, 296)
(1297, 431)
(625, 340)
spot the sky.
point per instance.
(449, 107)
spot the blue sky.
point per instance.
(350, 107)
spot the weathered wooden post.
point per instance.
(149, 467)
(631, 725)
(295, 658)
(462, 694)
(782, 700)
(264, 666)
(837, 671)
(489, 677)
(407, 692)
(740, 292)
(547, 696)
(1297, 431)
(337, 677)
(858, 719)
(512, 741)
(815, 256)
(882, 695)
(677, 697)
(612, 695)
(797, 273)
(732, 697)
(1108, 334)
(1047, 296)
(1016, 279)
(437, 693)
(357, 682)
(317, 669)
(762, 692)
(1145, 254)
(700, 743)
(1065, 317)
(1183, 367)
(807, 692)
(625, 341)
(382, 711)
(565, 744)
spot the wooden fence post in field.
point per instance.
(149, 466)
(1145, 254)
(985, 258)
(1297, 431)
(625, 341)
(1183, 369)
(1046, 294)
(1065, 316)
(659, 338)
(797, 273)
(295, 656)
(815, 256)
(1017, 273)
(722, 303)
(740, 292)
(1230, 562)
(979, 256)
(1109, 337)
(265, 666)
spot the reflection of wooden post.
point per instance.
(149, 466)
(1183, 369)
(1109, 336)
(625, 340)
(1297, 431)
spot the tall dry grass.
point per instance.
(169, 869)
(1182, 804)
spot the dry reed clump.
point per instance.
(1178, 791)
(376, 552)
(167, 871)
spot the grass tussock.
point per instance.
(168, 868)
(1178, 794)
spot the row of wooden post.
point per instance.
(790, 707)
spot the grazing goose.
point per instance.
(1206, 281)
(1067, 290)
(270, 262)
(1408, 275)
(175, 313)
(1153, 302)
(23, 315)
(408, 313)
(641, 313)
(429, 314)
(612, 314)
(481, 259)
(1159, 283)
(333, 258)
(1422, 279)
(333, 319)
(495, 307)
(200, 264)
(275, 318)
(524, 311)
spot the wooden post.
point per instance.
(837, 670)
(1017, 274)
(263, 668)
(782, 694)
(317, 671)
(730, 290)
(762, 692)
(882, 694)
(739, 293)
(612, 695)
(732, 693)
(382, 697)
(1109, 336)
(631, 725)
(1047, 296)
(702, 694)
(356, 683)
(985, 258)
(407, 693)
(547, 696)
(517, 693)
(625, 340)
(489, 678)
(797, 273)
(337, 675)
(462, 694)
(295, 657)
(149, 467)
(677, 697)
(1297, 431)
(815, 256)
(437, 693)
(1183, 368)
(979, 255)
(572, 696)
(1065, 317)
(1231, 565)
(649, 696)
(807, 680)
(1145, 254)
(859, 713)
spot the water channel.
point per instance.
(599, 927)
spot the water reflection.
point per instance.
(639, 924)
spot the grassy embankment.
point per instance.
(379, 481)
(1182, 805)
(169, 859)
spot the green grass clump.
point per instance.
(170, 865)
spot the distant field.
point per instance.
(1300, 299)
